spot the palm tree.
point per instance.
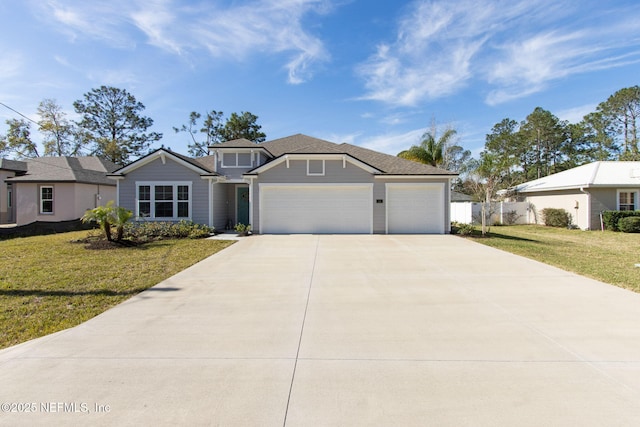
(431, 151)
(108, 215)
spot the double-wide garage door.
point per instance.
(409, 208)
(316, 208)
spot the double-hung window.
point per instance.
(627, 200)
(46, 199)
(164, 200)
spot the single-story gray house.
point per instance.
(584, 192)
(53, 189)
(297, 184)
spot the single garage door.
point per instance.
(316, 208)
(415, 208)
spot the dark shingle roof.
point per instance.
(87, 170)
(236, 143)
(13, 165)
(392, 165)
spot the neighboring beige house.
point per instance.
(53, 189)
(8, 169)
(585, 192)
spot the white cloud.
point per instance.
(11, 63)
(237, 31)
(392, 143)
(576, 114)
(516, 47)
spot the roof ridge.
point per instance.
(596, 168)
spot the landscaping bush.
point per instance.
(611, 218)
(556, 217)
(148, 231)
(630, 224)
(465, 229)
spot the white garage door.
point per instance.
(415, 208)
(309, 208)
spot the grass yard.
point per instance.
(603, 255)
(48, 283)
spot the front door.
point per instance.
(242, 205)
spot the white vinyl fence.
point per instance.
(506, 213)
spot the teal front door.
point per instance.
(242, 205)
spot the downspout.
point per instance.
(582, 190)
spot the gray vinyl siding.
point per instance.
(219, 205)
(168, 172)
(296, 173)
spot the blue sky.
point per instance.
(371, 73)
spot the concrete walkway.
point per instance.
(343, 331)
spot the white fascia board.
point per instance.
(310, 156)
(449, 177)
(159, 155)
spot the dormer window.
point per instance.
(236, 160)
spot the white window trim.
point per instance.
(53, 196)
(635, 199)
(175, 200)
(236, 162)
(316, 174)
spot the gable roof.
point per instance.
(387, 164)
(86, 170)
(596, 174)
(203, 165)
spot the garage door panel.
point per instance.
(316, 209)
(415, 208)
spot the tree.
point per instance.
(621, 112)
(107, 216)
(58, 132)
(432, 150)
(485, 177)
(545, 135)
(112, 124)
(242, 126)
(18, 139)
(211, 128)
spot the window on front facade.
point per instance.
(627, 200)
(164, 200)
(46, 200)
(236, 160)
(144, 200)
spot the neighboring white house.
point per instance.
(585, 192)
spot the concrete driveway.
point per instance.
(343, 331)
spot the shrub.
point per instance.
(629, 224)
(611, 218)
(148, 231)
(556, 217)
(510, 217)
(243, 229)
(465, 229)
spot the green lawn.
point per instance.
(603, 255)
(48, 283)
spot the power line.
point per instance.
(18, 112)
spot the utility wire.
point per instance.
(18, 112)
